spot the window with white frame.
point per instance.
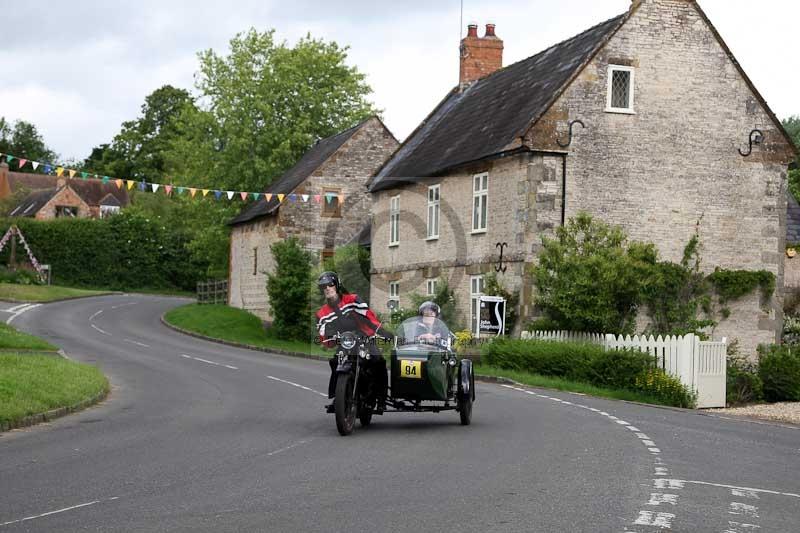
(394, 220)
(108, 210)
(620, 89)
(475, 292)
(430, 286)
(394, 291)
(480, 197)
(433, 212)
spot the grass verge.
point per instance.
(11, 339)
(33, 384)
(42, 293)
(233, 325)
(546, 382)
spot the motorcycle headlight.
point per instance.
(348, 341)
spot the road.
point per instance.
(197, 436)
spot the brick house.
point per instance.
(52, 197)
(335, 166)
(664, 110)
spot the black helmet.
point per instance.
(328, 278)
(430, 306)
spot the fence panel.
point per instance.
(212, 292)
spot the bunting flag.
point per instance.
(280, 197)
(305, 197)
(72, 173)
(181, 189)
(59, 171)
(142, 186)
(192, 191)
(244, 196)
(84, 175)
(130, 184)
(154, 186)
(316, 198)
(255, 195)
(47, 169)
(9, 158)
(106, 179)
(328, 197)
(230, 194)
(119, 183)
(35, 164)
(217, 194)
(293, 197)
(268, 196)
(205, 192)
(22, 162)
(168, 189)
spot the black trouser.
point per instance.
(377, 366)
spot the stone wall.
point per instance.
(347, 172)
(673, 167)
(65, 197)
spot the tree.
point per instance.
(288, 290)
(792, 126)
(351, 263)
(266, 104)
(23, 140)
(586, 278)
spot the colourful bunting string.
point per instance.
(154, 186)
(280, 197)
(217, 194)
(9, 158)
(230, 194)
(59, 171)
(305, 197)
(72, 173)
(316, 198)
(192, 191)
(35, 164)
(168, 189)
(130, 184)
(205, 192)
(22, 163)
(119, 183)
(244, 196)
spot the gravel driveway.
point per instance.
(782, 412)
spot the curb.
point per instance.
(66, 299)
(52, 353)
(243, 345)
(48, 416)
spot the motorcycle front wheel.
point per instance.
(344, 405)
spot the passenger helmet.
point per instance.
(430, 306)
(328, 278)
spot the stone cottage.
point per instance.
(53, 197)
(333, 169)
(646, 121)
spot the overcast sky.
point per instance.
(78, 69)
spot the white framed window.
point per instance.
(480, 198)
(433, 212)
(430, 286)
(475, 292)
(108, 210)
(620, 89)
(394, 220)
(394, 291)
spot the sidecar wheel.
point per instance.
(465, 409)
(344, 406)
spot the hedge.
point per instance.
(122, 252)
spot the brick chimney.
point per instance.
(5, 186)
(480, 56)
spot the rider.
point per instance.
(342, 312)
(429, 328)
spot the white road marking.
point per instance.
(137, 343)
(648, 442)
(94, 315)
(649, 518)
(209, 362)
(672, 484)
(622, 423)
(297, 385)
(101, 331)
(16, 308)
(763, 491)
(744, 494)
(654, 450)
(206, 361)
(634, 429)
(56, 512)
(750, 511)
(20, 310)
(661, 471)
(657, 498)
(642, 436)
(124, 305)
(735, 527)
(296, 444)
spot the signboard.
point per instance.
(492, 317)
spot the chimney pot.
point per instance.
(472, 30)
(489, 30)
(479, 56)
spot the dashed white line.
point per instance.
(137, 343)
(209, 362)
(649, 518)
(297, 385)
(738, 508)
(57, 511)
(95, 314)
(296, 444)
(750, 489)
(101, 331)
(124, 305)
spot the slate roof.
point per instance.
(792, 220)
(33, 202)
(292, 178)
(93, 191)
(492, 112)
(17, 180)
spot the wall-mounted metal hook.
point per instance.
(569, 139)
(758, 139)
(500, 266)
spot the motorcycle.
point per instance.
(355, 384)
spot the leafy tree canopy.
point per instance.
(22, 139)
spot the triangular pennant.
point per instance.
(316, 198)
(35, 164)
(205, 192)
(84, 175)
(293, 197)
(9, 158)
(106, 179)
(154, 186)
(119, 183)
(244, 196)
(192, 191)
(47, 169)
(268, 196)
(230, 194)
(59, 171)
(168, 189)
(304, 197)
(217, 194)
(142, 186)
(22, 162)
(130, 184)
(181, 189)
(72, 174)
(328, 197)
(280, 197)
(255, 195)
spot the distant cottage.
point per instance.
(645, 121)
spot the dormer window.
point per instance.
(620, 89)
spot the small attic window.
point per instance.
(620, 89)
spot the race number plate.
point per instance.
(410, 369)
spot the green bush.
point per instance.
(21, 276)
(779, 370)
(289, 291)
(352, 263)
(744, 385)
(589, 363)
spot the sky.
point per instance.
(78, 69)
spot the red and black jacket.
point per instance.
(351, 315)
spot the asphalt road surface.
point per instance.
(197, 436)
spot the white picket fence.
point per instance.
(700, 365)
